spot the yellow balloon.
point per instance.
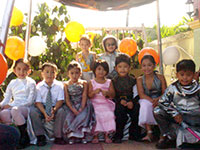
(15, 48)
(73, 31)
(17, 17)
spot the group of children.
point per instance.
(104, 99)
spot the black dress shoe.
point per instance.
(59, 141)
(41, 140)
(117, 140)
(166, 143)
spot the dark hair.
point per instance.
(21, 60)
(49, 64)
(185, 65)
(149, 57)
(102, 63)
(123, 58)
(74, 64)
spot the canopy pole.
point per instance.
(127, 18)
(5, 23)
(159, 38)
(28, 30)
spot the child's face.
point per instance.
(49, 74)
(185, 77)
(74, 74)
(100, 72)
(21, 70)
(84, 45)
(110, 45)
(122, 69)
(147, 66)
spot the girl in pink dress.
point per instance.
(100, 92)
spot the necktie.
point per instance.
(48, 102)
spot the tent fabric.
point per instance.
(105, 5)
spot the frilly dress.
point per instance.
(104, 109)
(76, 126)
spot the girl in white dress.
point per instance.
(19, 95)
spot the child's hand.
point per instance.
(123, 102)
(47, 118)
(75, 112)
(6, 106)
(97, 91)
(178, 119)
(104, 93)
(51, 117)
(155, 102)
(130, 105)
(80, 110)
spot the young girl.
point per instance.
(19, 95)
(100, 92)
(86, 58)
(150, 87)
(110, 46)
(80, 117)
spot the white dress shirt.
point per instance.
(20, 92)
(57, 92)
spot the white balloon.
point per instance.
(37, 46)
(171, 55)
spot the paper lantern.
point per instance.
(73, 31)
(4, 68)
(37, 46)
(128, 46)
(148, 51)
(171, 55)
(15, 48)
(17, 17)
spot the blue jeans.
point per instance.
(9, 137)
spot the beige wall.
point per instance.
(183, 40)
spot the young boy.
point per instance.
(126, 99)
(179, 107)
(48, 105)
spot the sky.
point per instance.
(171, 12)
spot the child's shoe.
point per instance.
(117, 140)
(41, 140)
(166, 143)
(59, 141)
(71, 141)
(108, 140)
(95, 141)
(84, 141)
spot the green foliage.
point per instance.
(169, 31)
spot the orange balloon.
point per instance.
(15, 48)
(4, 68)
(148, 51)
(128, 46)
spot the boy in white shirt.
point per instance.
(48, 105)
